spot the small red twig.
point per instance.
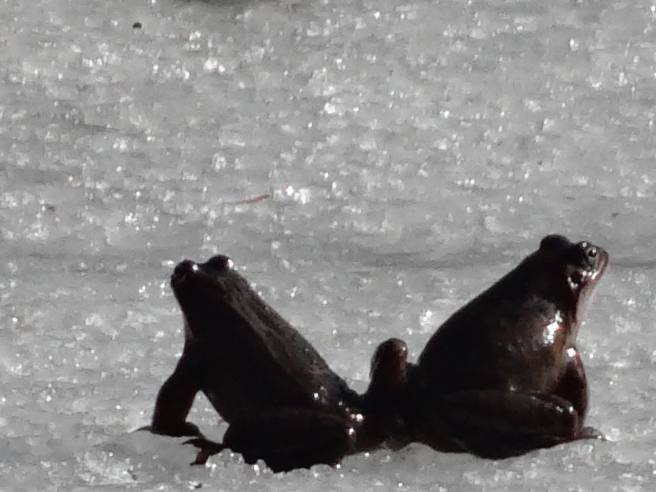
(255, 199)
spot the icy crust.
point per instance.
(370, 165)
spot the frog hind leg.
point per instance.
(498, 424)
(285, 439)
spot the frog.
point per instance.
(282, 401)
(503, 375)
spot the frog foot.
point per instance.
(181, 430)
(591, 433)
(206, 448)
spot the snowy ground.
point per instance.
(413, 153)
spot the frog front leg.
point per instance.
(285, 439)
(174, 402)
(497, 424)
(573, 386)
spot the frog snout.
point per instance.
(183, 270)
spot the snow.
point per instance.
(412, 153)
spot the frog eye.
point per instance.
(220, 262)
(589, 250)
(585, 255)
(183, 270)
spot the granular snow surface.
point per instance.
(370, 165)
